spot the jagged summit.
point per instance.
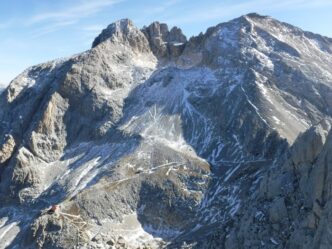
(121, 28)
(171, 44)
(148, 140)
(157, 33)
(123, 31)
(162, 41)
(165, 42)
(256, 15)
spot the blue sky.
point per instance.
(35, 31)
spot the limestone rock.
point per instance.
(7, 148)
(123, 31)
(48, 139)
(312, 142)
(165, 42)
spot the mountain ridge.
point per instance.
(181, 140)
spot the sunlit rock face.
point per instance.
(150, 140)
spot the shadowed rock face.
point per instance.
(150, 140)
(164, 42)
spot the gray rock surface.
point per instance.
(164, 42)
(7, 148)
(152, 141)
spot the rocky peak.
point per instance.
(165, 42)
(157, 37)
(123, 31)
(255, 16)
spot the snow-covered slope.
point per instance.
(151, 140)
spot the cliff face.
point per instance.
(150, 139)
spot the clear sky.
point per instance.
(35, 31)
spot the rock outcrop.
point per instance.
(165, 43)
(123, 32)
(7, 148)
(148, 140)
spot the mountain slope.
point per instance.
(151, 140)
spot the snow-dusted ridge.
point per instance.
(149, 139)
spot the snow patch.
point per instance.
(8, 234)
(276, 120)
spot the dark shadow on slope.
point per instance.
(207, 115)
(18, 214)
(268, 145)
(163, 211)
(91, 152)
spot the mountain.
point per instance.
(151, 140)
